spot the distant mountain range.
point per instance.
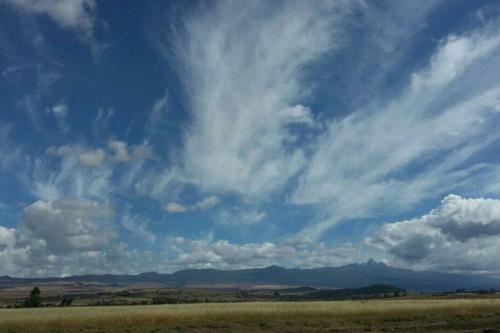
(348, 276)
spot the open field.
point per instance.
(89, 294)
(459, 315)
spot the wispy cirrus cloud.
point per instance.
(445, 116)
(242, 65)
(138, 226)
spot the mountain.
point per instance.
(348, 276)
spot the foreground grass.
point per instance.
(476, 315)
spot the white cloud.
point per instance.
(118, 151)
(32, 260)
(160, 108)
(138, 226)
(173, 207)
(245, 70)
(461, 234)
(71, 177)
(65, 237)
(224, 254)
(204, 204)
(59, 110)
(161, 183)
(60, 113)
(298, 114)
(85, 156)
(208, 202)
(242, 65)
(464, 219)
(100, 125)
(67, 225)
(7, 238)
(74, 14)
(92, 158)
(48, 181)
(444, 117)
(86, 172)
(240, 216)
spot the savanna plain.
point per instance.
(392, 315)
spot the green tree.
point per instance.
(66, 302)
(34, 300)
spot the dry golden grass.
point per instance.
(375, 315)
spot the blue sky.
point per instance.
(163, 135)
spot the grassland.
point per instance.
(458, 315)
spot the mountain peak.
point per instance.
(273, 267)
(372, 263)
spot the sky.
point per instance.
(164, 135)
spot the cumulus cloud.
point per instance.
(224, 254)
(442, 118)
(242, 64)
(426, 242)
(204, 204)
(7, 237)
(460, 234)
(65, 237)
(464, 219)
(75, 14)
(68, 225)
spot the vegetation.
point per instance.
(141, 295)
(476, 315)
(33, 301)
(373, 308)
